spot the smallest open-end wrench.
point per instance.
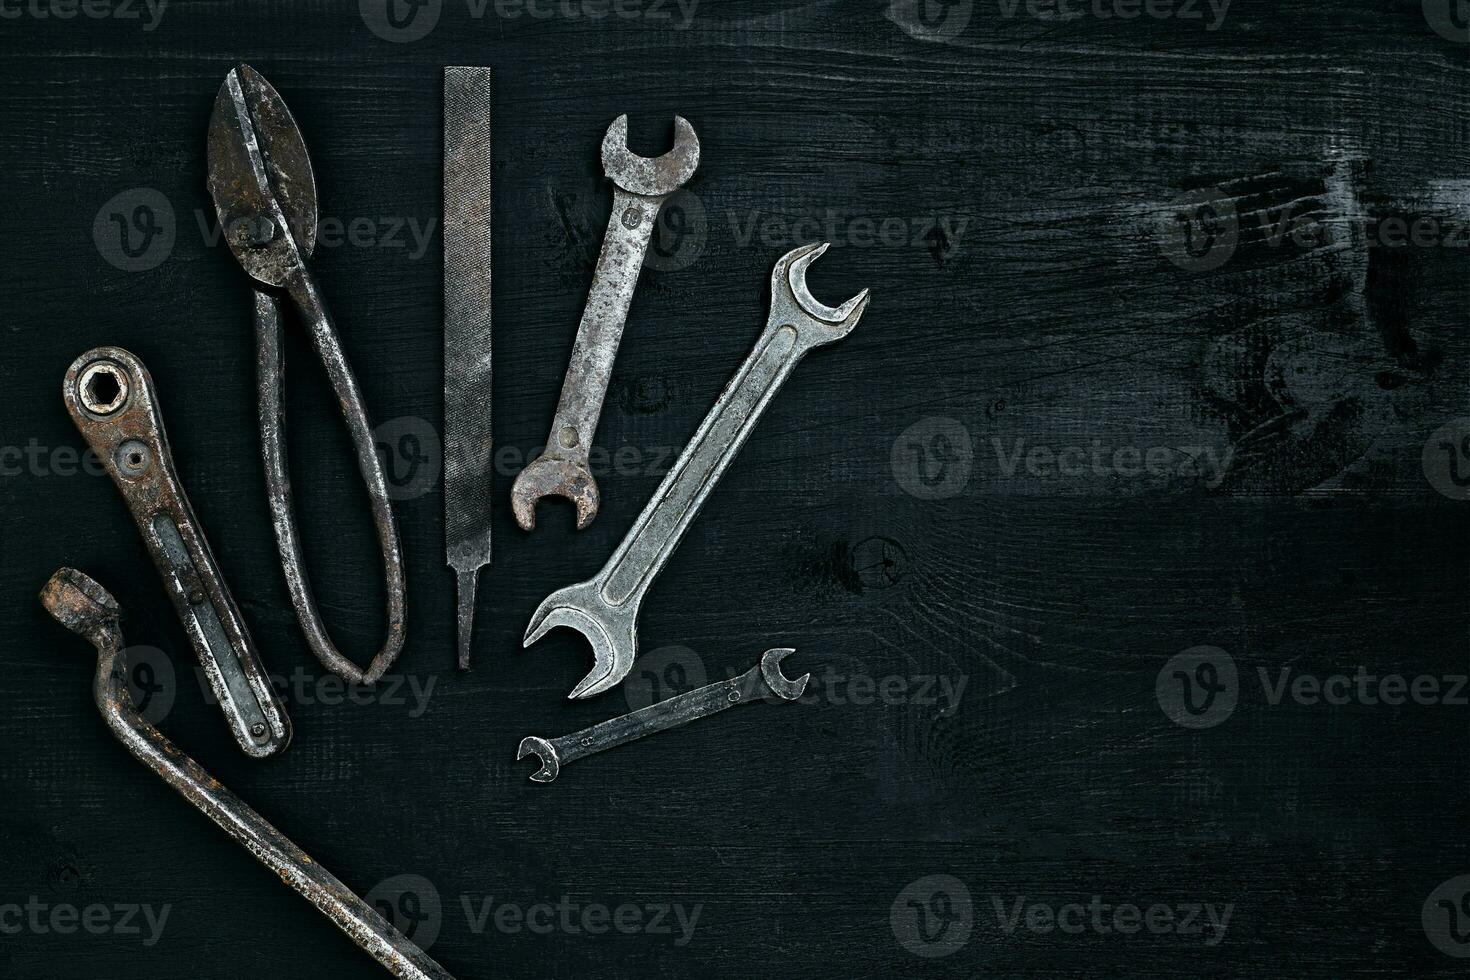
(764, 680)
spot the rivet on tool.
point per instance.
(632, 217)
(255, 232)
(133, 457)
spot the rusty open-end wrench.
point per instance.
(86, 608)
(605, 607)
(111, 398)
(641, 185)
(764, 680)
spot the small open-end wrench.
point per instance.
(111, 398)
(764, 680)
(605, 607)
(77, 602)
(641, 185)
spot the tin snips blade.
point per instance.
(467, 444)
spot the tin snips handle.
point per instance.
(111, 398)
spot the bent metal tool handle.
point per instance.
(678, 500)
(596, 348)
(112, 400)
(309, 303)
(84, 607)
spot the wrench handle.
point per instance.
(671, 713)
(127, 434)
(629, 231)
(678, 499)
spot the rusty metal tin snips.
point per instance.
(264, 191)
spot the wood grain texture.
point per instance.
(1016, 193)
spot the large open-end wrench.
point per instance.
(764, 680)
(605, 607)
(86, 608)
(641, 185)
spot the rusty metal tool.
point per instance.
(640, 187)
(468, 477)
(87, 609)
(605, 608)
(764, 681)
(111, 398)
(264, 191)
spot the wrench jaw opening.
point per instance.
(554, 476)
(546, 755)
(612, 631)
(784, 688)
(655, 177)
(792, 301)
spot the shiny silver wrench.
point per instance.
(641, 185)
(764, 680)
(605, 607)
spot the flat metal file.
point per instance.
(468, 480)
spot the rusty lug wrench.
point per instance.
(605, 608)
(641, 186)
(111, 398)
(86, 608)
(764, 680)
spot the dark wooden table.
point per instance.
(1169, 317)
